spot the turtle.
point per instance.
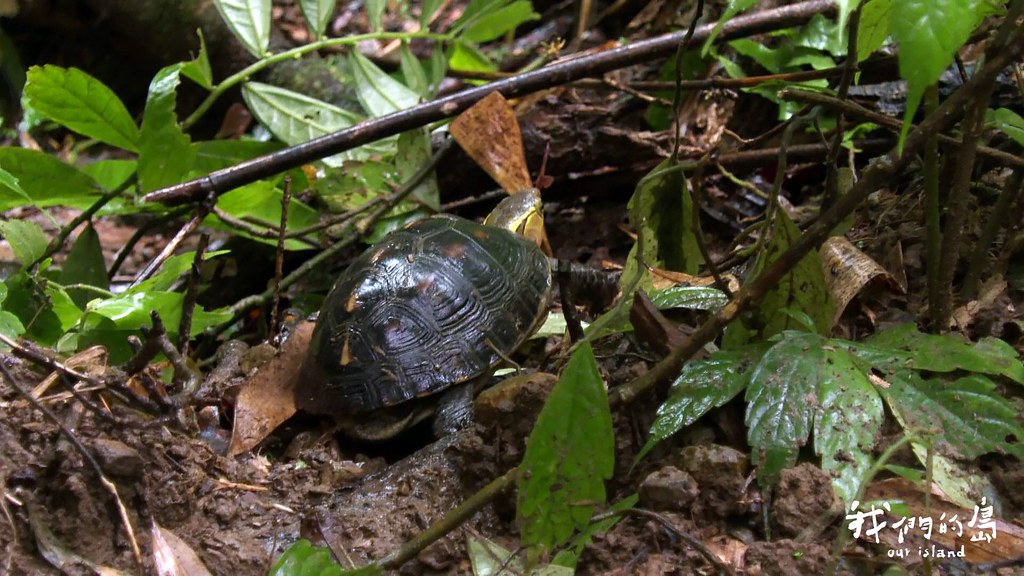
(414, 326)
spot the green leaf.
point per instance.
(904, 347)
(261, 201)
(848, 416)
(689, 298)
(929, 33)
(169, 273)
(466, 56)
(111, 173)
(81, 103)
(294, 118)
(130, 311)
(167, 153)
(198, 69)
(971, 417)
(304, 559)
(1009, 122)
(318, 14)
(249, 20)
(488, 558)
(501, 21)
(734, 8)
(63, 307)
(10, 186)
(45, 180)
(10, 325)
(413, 153)
(569, 455)
(27, 240)
(379, 93)
(413, 73)
(28, 301)
(662, 212)
(218, 154)
(374, 12)
(873, 28)
(85, 265)
(781, 386)
(701, 386)
(802, 289)
(846, 7)
(427, 10)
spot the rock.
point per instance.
(117, 458)
(669, 489)
(803, 496)
(721, 472)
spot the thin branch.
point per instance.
(593, 65)
(286, 198)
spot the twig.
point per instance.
(107, 484)
(188, 302)
(67, 229)
(184, 374)
(140, 232)
(558, 73)
(261, 229)
(849, 68)
(449, 522)
(677, 94)
(171, 246)
(286, 197)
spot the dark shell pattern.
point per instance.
(429, 306)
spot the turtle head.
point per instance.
(522, 212)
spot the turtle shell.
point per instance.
(432, 305)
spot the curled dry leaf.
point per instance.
(173, 557)
(489, 133)
(848, 271)
(268, 398)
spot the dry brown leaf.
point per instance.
(848, 271)
(268, 398)
(173, 557)
(489, 133)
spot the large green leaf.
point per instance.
(569, 455)
(294, 118)
(304, 559)
(847, 420)
(1009, 122)
(217, 154)
(971, 417)
(701, 386)
(45, 180)
(261, 201)
(904, 347)
(82, 103)
(778, 416)
(167, 153)
(249, 20)
(379, 93)
(873, 28)
(10, 325)
(929, 33)
(662, 211)
(130, 311)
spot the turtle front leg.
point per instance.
(454, 409)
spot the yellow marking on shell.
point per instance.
(455, 250)
(481, 233)
(346, 354)
(351, 303)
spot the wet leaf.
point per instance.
(489, 558)
(489, 133)
(689, 298)
(848, 418)
(85, 265)
(45, 180)
(782, 398)
(81, 103)
(249, 20)
(701, 386)
(172, 556)
(27, 239)
(318, 14)
(166, 153)
(569, 455)
(130, 311)
(904, 347)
